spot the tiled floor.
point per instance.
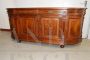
(11, 50)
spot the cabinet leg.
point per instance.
(19, 41)
(62, 46)
(12, 37)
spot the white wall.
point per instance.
(89, 33)
(88, 13)
(49, 3)
(86, 21)
(4, 23)
(41, 3)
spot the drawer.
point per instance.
(25, 11)
(53, 16)
(75, 15)
(79, 14)
(75, 11)
(46, 11)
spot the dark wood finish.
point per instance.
(47, 25)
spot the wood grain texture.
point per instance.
(47, 25)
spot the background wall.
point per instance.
(4, 23)
(49, 3)
(86, 25)
(88, 13)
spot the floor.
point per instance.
(11, 50)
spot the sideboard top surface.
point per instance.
(50, 8)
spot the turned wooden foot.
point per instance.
(19, 41)
(62, 46)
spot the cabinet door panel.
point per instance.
(75, 28)
(50, 26)
(26, 27)
(50, 30)
(20, 27)
(32, 29)
(74, 33)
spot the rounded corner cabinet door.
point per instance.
(74, 31)
(75, 23)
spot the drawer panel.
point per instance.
(75, 11)
(75, 16)
(46, 11)
(70, 14)
(25, 11)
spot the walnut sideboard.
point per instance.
(60, 26)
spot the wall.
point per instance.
(4, 23)
(88, 13)
(49, 3)
(40, 3)
(86, 24)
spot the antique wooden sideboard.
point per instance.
(47, 25)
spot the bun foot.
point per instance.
(19, 41)
(62, 46)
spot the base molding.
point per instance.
(5, 30)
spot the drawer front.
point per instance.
(75, 13)
(75, 10)
(25, 11)
(46, 11)
(75, 16)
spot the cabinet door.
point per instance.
(50, 30)
(75, 27)
(75, 30)
(26, 27)
(20, 26)
(32, 28)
